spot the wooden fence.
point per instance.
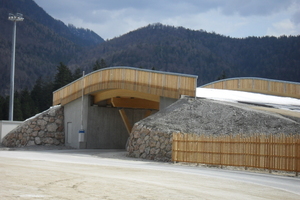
(274, 152)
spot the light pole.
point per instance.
(15, 18)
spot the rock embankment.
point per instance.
(47, 128)
(149, 143)
(151, 138)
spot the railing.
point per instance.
(259, 85)
(273, 152)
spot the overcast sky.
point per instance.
(234, 18)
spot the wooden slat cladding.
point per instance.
(163, 84)
(272, 152)
(266, 86)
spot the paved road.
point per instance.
(143, 179)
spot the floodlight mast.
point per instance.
(15, 18)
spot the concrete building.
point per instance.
(7, 126)
(101, 107)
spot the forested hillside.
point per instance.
(50, 54)
(27, 103)
(42, 42)
(208, 55)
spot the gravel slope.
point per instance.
(204, 116)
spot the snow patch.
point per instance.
(52, 107)
(286, 103)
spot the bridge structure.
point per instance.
(106, 103)
(258, 85)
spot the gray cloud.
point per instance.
(296, 18)
(168, 7)
(115, 17)
(255, 7)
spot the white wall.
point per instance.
(7, 126)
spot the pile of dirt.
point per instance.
(204, 116)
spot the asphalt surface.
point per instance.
(117, 158)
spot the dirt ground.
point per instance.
(38, 179)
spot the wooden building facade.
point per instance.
(113, 99)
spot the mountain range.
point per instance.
(209, 55)
(43, 42)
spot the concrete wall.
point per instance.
(165, 102)
(72, 123)
(104, 127)
(7, 126)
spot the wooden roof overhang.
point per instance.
(258, 85)
(128, 87)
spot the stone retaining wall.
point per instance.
(148, 143)
(47, 128)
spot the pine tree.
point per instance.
(27, 105)
(63, 76)
(2, 103)
(222, 76)
(37, 93)
(47, 97)
(5, 108)
(18, 115)
(99, 65)
(77, 74)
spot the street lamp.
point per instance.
(15, 18)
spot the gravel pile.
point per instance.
(151, 138)
(204, 116)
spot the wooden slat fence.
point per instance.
(158, 83)
(259, 85)
(275, 152)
